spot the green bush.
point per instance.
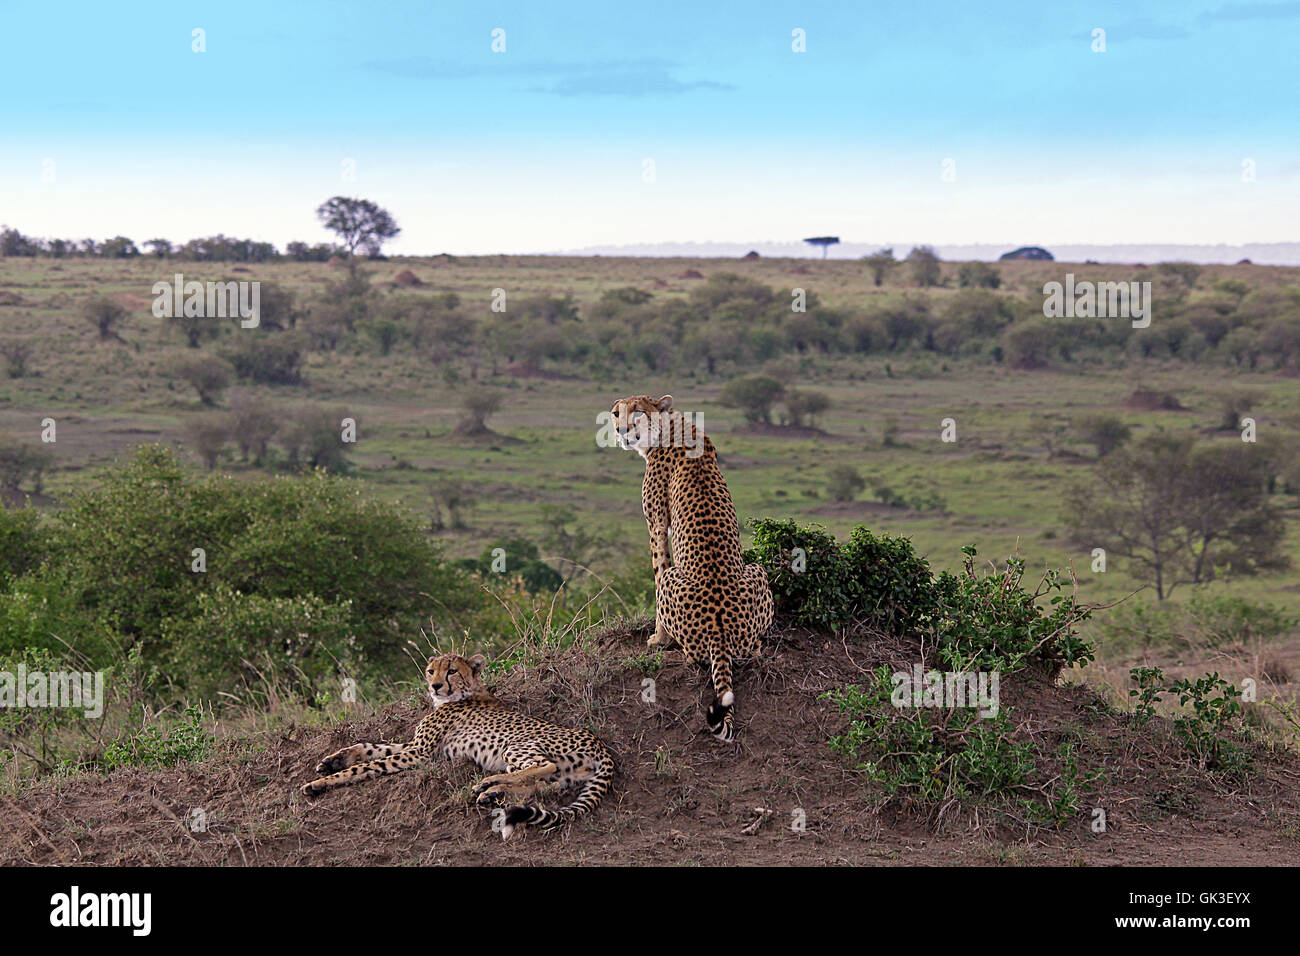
(244, 644)
(990, 621)
(306, 550)
(149, 749)
(976, 620)
(20, 543)
(812, 584)
(894, 588)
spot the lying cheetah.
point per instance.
(715, 606)
(523, 753)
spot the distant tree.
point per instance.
(1105, 432)
(105, 315)
(254, 424)
(265, 360)
(1185, 272)
(1029, 345)
(880, 264)
(385, 333)
(824, 241)
(357, 223)
(313, 437)
(926, 271)
(754, 395)
(1182, 514)
(578, 548)
(119, 247)
(1234, 405)
(210, 436)
(804, 406)
(20, 461)
(844, 482)
(208, 375)
(16, 355)
(978, 275)
(478, 404)
(14, 243)
(302, 252)
(276, 307)
(161, 248)
(452, 497)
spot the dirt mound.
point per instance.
(407, 279)
(801, 271)
(691, 274)
(751, 255)
(679, 797)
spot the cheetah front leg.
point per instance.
(654, 501)
(357, 766)
(357, 753)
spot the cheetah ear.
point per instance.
(477, 663)
(665, 403)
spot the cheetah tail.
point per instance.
(596, 786)
(720, 717)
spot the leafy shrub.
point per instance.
(990, 621)
(304, 551)
(931, 754)
(266, 360)
(149, 749)
(232, 641)
(894, 588)
(976, 620)
(844, 483)
(1205, 728)
(20, 543)
(811, 583)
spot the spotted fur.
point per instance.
(707, 600)
(522, 753)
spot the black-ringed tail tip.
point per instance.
(719, 721)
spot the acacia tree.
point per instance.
(754, 395)
(1182, 514)
(358, 222)
(824, 241)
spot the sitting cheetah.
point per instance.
(522, 753)
(715, 606)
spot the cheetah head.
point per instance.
(639, 420)
(452, 677)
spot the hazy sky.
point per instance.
(545, 146)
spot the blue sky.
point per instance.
(115, 125)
